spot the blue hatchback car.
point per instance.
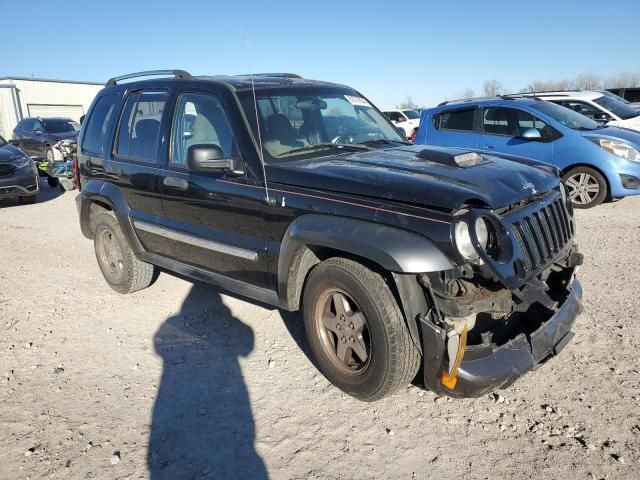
(597, 162)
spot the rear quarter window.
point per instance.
(96, 129)
(455, 120)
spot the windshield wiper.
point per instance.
(339, 146)
(384, 141)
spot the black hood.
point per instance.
(426, 176)
(9, 153)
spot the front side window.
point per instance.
(622, 110)
(139, 129)
(500, 121)
(60, 126)
(316, 121)
(200, 120)
(96, 128)
(456, 120)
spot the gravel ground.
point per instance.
(181, 381)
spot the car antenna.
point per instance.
(267, 199)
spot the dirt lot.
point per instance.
(180, 381)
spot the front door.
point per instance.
(502, 128)
(213, 220)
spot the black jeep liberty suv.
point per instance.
(302, 195)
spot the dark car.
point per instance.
(301, 194)
(18, 174)
(37, 136)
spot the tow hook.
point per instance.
(456, 345)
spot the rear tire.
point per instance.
(587, 187)
(119, 265)
(349, 308)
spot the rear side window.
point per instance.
(95, 135)
(456, 120)
(139, 128)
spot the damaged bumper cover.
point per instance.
(486, 368)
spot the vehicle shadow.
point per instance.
(202, 424)
(46, 194)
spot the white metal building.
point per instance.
(38, 97)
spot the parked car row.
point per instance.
(592, 137)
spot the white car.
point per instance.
(602, 108)
(406, 119)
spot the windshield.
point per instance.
(412, 114)
(566, 116)
(616, 107)
(61, 126)
(616, 97)
(316, 121)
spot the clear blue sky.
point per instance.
(387, 50)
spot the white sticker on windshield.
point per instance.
(357, 101)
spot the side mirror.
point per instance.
(15, 142)
(531, 134)
(602, 117)
(208, 158)
(38, 132)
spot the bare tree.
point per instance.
(623, 80)
(408, 103)
(493, 88)
(467, 93)
(588, 81)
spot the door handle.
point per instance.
(489, 146)
(174, 182)
(114, 170)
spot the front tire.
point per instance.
(119, 265)
(587, 187)
(52, 181)
(356, 330)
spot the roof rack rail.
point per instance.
(178, 74)
(276, 75)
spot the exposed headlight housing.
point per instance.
(463, 239)
(20, 160)
(618, 148)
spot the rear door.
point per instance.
(24, 133)
(455, 128)
(502, 128)
(213, 220)
(133, 164)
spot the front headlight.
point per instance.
(20, 160)
(464, 242)
(618, 148)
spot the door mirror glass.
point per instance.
(207, 158)
(531, 134)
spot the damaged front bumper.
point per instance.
(485, 368)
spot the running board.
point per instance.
(245, 289)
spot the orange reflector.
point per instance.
(450, 380)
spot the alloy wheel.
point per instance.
(110, 256)
(583, 188)
(344, 331)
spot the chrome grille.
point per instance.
(542, 234)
